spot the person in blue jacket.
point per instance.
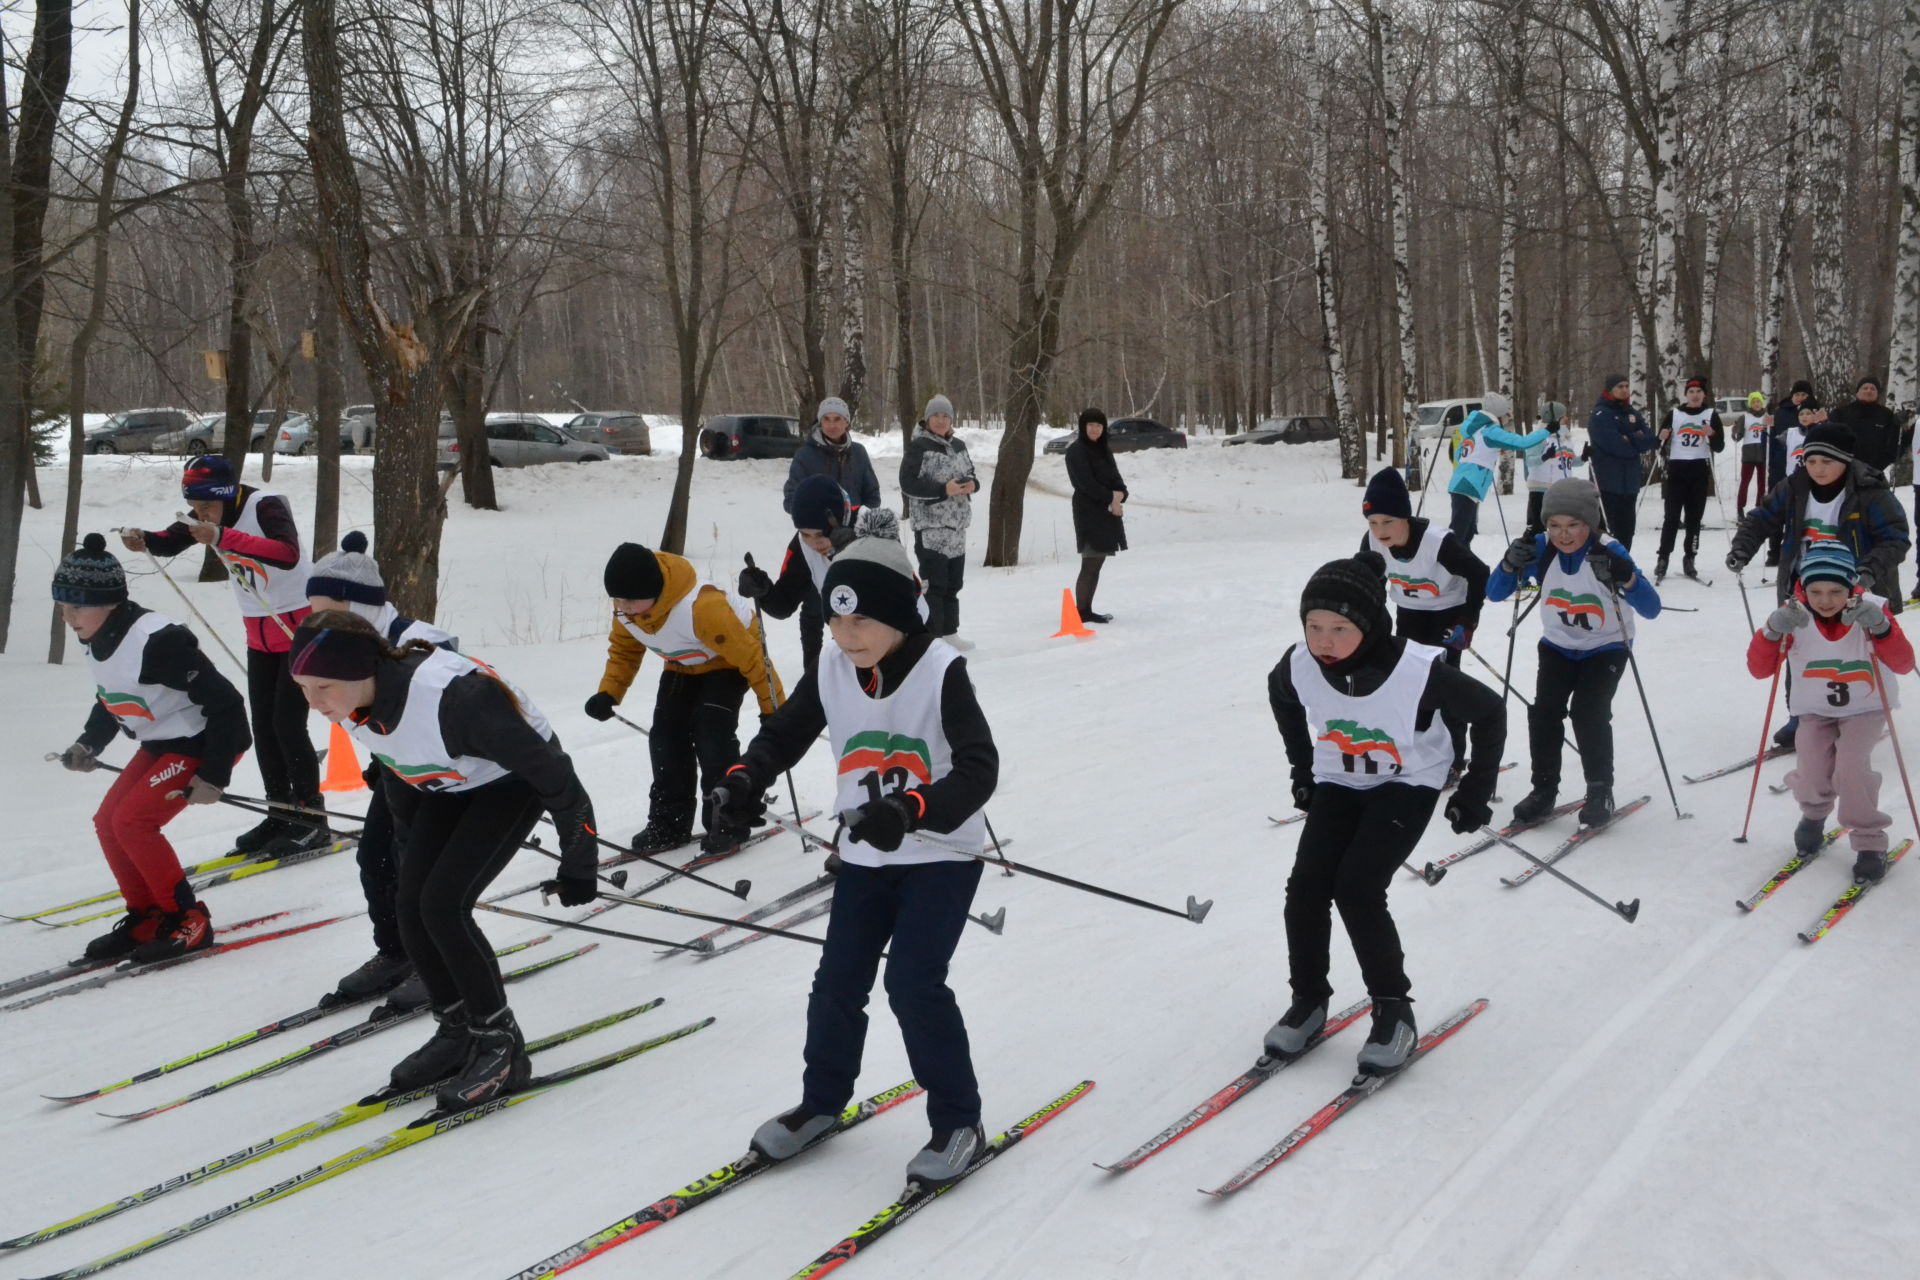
(1475, 456)
(832, 451)
(1589, 592)
(1618, 434)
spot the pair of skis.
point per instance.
(1842, 906)
(1265, 1068)
(1773, 753)
(242, 865)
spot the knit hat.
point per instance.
(834, 404)
(1570, 497)
(348, 574)
(1691, 383)
(333, 652)
(1830, 440)
(872, 577)
(1801, 385)
(820, 503)
(1387, 496)
(1756, 398)
(937, 405)
(1870, 380)
(1613, 380)
(90, 575)
(1355, 588)
(1828, 562)
(634, 573)
(207, 477)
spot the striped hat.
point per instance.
(1828, 562)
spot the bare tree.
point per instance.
(1387, 59)
(1353, 462)
(1904, 380)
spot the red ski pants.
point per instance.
(129, 821)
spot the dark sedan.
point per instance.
(1288, 431)
(1126, 435)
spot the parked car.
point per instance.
(1300, 430)
(520, 440)
(136, 431)
(1126, 435)
(750, 435)
(208, 434)
(296, 435)
(621, 432)
(1444, 415)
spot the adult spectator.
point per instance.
(1876, 428)
(937, 476)
(1098, 495)
(831, 451)
(1617, 434)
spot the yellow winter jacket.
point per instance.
(714, 622)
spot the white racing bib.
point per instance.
(1692, 439)
(284, 590)
(1836, 677)
(1576, 611)
(149, 712)
(1420, 583)
(416, 751)
(676, 641)
(1365, 742)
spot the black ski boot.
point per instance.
(1659, 568)
(382, 973)
(1598, 807)
(1870, 866)
(1536, 804)
(440, 1057)
(411, 994)
(660, 837)
(1808, 836)
(722, 840)
(498, 1064)
(134, 929)
(1783, 736)
(304, 833)
(1391, 1041)
(260, 834)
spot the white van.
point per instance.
(1444, 415)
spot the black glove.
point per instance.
(579, 837)
(600, 706)
(1303, 785)
(1610, 570)
(573, 891)
(1519, 557)
(883, 824)
(738, 801)
(1468, 812)
(754, 583)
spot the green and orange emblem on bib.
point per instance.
(126, 706)
(1577, 609)
(428, 776)
(686, 657)
(882, 751)
(1413, 586)
(1819, 531)
(1852, 671)
(1356, 740)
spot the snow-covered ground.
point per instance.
(1697, 1094)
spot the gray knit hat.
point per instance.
(349, 574)
(1576, 498)
(834, 404)
(90, 575)
(939, 404)
(873, 578)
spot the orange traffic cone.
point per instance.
(1070, 624)
(343, 767)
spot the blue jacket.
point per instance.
(1640, 597)
(1619, 435)
(846, 464)
(1472, 478)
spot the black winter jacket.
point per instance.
(1094, 476)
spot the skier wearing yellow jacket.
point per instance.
(712, 653)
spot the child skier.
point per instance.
(1828, 498)
(152, 683)
(1753, 448)
(253, 532)
(1476, 455)
(1437, 584)
(1831, 669)
(470, 764)
(1547, 463)
(1589, 591)
(1690, 440)
(706, 638)
(915, 754)
(1359, 712)
(350, 580)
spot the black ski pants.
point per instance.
(914, 913)
(1351, 845)
(1584, 688)
(454, 843)
(1687, 488)
(1622, 513)
(378, 856)
(277, 710)
(694, 740)
(942, 577)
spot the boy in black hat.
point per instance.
(153, 684)
(1357, 710)
(914, 754)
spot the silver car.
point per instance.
(521, 440)
(208, 434)
(296, 435)
(136, 431)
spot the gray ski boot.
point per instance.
(1391, 1042)
(791, 1132)
(947, 1155)
(1288, 1038)
(1808, 836)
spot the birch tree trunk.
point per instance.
(1832, 345)
(1904, 382)
(1665, 75)
(1353, 459)
(853, 270)
(1512, 107)
(1389, 79)
(1782, 235)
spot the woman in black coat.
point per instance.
(1098, 493)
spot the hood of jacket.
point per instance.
(819, 441)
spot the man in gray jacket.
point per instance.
(937, 476)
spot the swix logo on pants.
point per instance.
(167, 774)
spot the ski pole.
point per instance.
(701, 915)
(1879, 683)
(1426, 479)
(191, 608)
(1196, 910)
(766, 656)
(1659, 753)
(1519, 616)
(1628, 911)
(252, 804)
(993, 922)
(1005, 870)
(1766, 723)
(630, 724)
(740, 888)
(240, 576)
(1507, 688)
(1741, 581)
(698, 944)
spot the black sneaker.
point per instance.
(658, 837)
(1870, 866)
(1536, 804)
(1808, 836)
(498, 1064)
(439, 1057)
(1096, 618)
(1392, 1039)
(381, 973)
(1598, 807)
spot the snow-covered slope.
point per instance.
(1697, 1094)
